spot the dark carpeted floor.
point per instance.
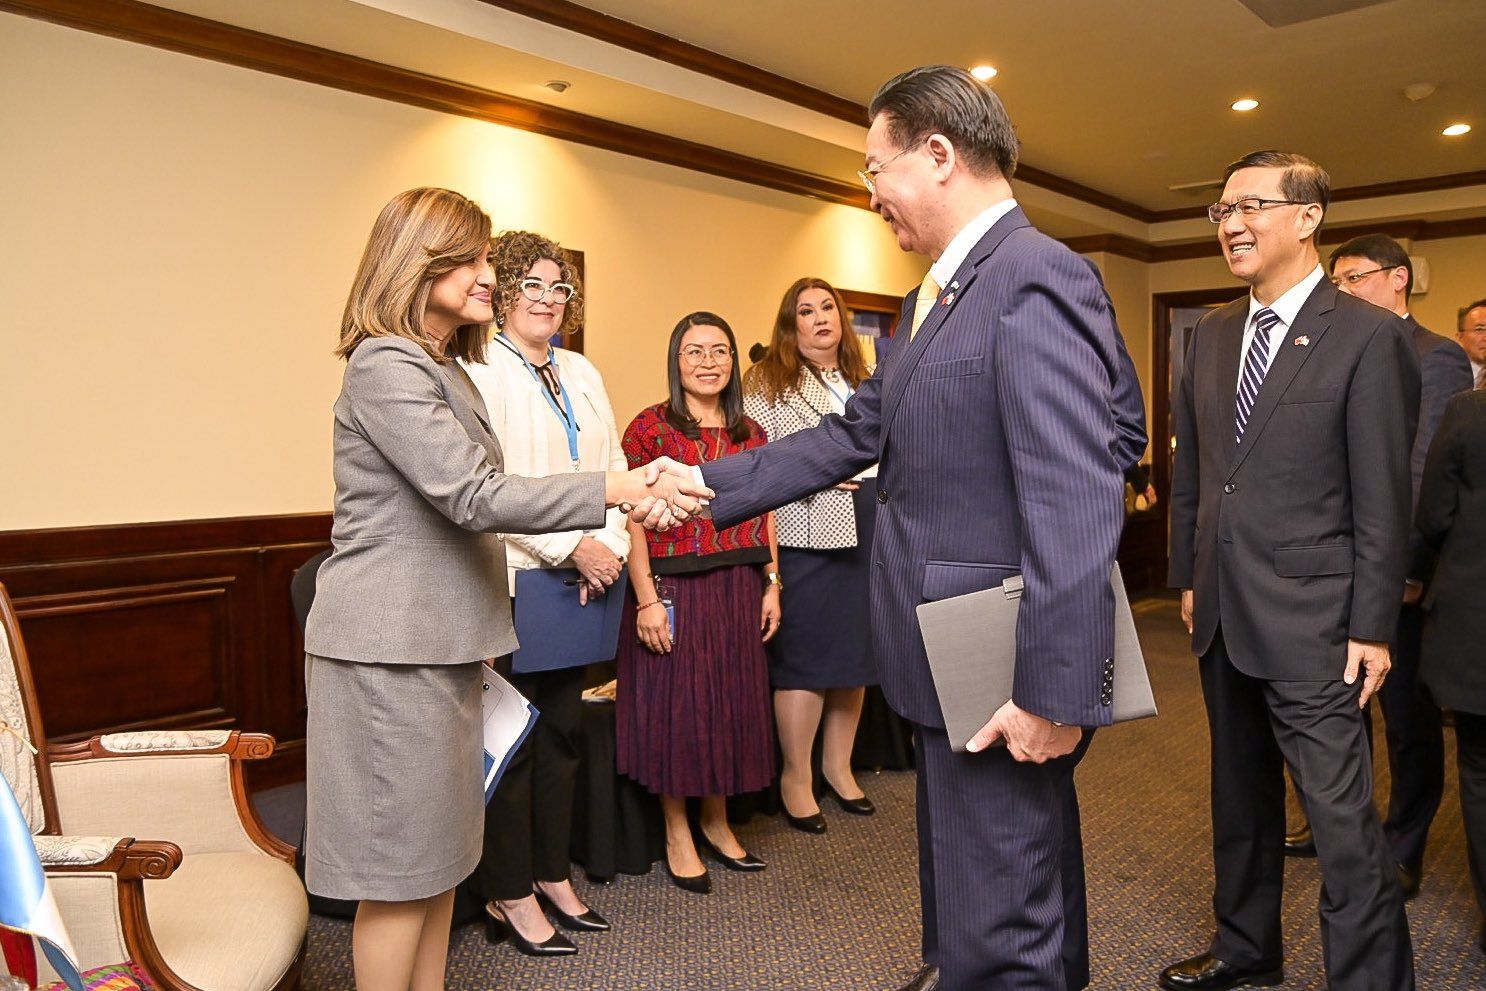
(839, 912)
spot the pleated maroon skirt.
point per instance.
(697, 721)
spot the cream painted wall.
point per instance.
(1457, 276)
(180, 236)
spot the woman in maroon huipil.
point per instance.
(693, 714)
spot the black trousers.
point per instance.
(1001, 868)
(1416, 746)
(1470, 759)
(1316, 728)
(529, 821)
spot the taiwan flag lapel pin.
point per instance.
(949, 297)
(1302, 341)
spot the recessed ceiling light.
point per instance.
(1245, 105)
(985, 73)
(557, 85)
(1456, 130)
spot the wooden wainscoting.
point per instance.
(167, 626)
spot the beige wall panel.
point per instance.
(180, 236)
(1457, 276)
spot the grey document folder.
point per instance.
(971, 643)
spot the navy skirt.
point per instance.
(825, 634)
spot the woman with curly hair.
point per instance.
(551, 412)
(821, 661)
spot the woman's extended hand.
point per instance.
(771, 612)
(653, 627)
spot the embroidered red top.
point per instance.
(648, 437)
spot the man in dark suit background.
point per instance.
(1375, 267)
(1289, 520)
(1452, 517)
(1471, 333)
(1002, 420)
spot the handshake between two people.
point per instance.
(658, 496)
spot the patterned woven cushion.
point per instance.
(126, 976)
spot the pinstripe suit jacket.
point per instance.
(995, 432)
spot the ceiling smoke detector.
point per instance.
(1418, 91)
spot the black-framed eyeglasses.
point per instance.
(869, 176)
(695, 355)
(536, 290)
(1246, 207)
(1352, 278)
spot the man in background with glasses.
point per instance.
(1290, 509)
(1471, 333)
(1002, 421)
(1375, 267)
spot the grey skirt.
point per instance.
(395, 801)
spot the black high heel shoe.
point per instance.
(814, 823)
(747, 862)
(856, 806)
(697, 884)
(589, 922)
(498, 929)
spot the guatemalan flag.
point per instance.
(26, 903)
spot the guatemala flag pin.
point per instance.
(1302, 341)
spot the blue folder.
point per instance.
(554, 631)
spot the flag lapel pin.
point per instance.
(1302, 341)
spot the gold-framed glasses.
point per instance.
(869, 176)
(536, 290)
(695, 355)
(1352, 278)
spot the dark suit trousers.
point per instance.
(1316, 728)
(1001, 873)
(1416, 745)
(1470, 759)
(529, 821)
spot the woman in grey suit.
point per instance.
(413, 597)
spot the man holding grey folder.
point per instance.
(1001, 421)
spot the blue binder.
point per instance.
(554, 631)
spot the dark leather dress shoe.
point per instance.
(589, 922)
(815, 823)
(748, 862)
(1300, 843)
(1208, 973)
(1408, 880)
(927, 979)
(856, 806)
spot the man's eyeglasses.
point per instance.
(1352, 278)
(1248, 208)
(696, 355)
(869, 176)
(536, 290)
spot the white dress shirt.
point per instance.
(1287, 308)
(969, 236)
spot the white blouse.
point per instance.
(534, 440)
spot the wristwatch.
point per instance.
(772, 578)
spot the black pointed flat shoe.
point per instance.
(856, 806)
(498, 929)
(589, 922)
(747, 862)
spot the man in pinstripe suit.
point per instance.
(1001, 424)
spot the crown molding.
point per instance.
(131, 20)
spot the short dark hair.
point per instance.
(677, 413)
(1382, 251)
(944, 99)
(1304, 181)
(1460, 320)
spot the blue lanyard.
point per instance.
(565, 413)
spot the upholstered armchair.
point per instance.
(209, 901)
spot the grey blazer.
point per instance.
(418, 575)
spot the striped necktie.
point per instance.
(1481, 378)
(928, 295)
(1255, 365)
